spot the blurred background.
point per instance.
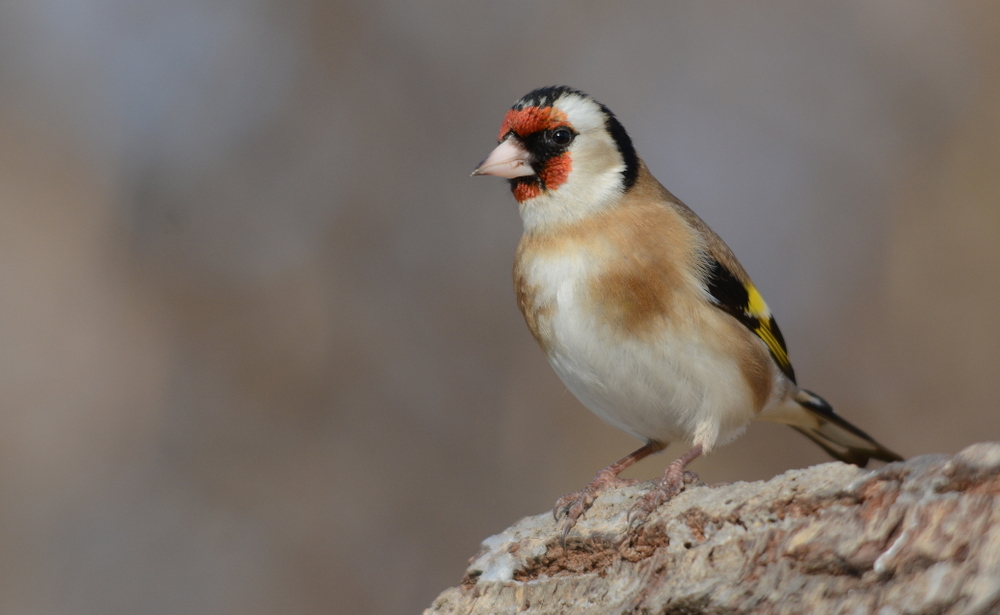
(259, 349)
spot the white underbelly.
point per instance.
(668, 386)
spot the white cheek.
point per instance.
(594, 183)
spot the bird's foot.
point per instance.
(574, 504)
(664, 490)
(673, 481)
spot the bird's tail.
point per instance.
(814, 418)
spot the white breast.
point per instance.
(669, 385)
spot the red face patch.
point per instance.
(553, 174)
(556, 171)
(524, 191)
(531, 120)
(528, 121)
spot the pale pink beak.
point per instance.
(509, 160)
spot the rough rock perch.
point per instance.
(916, 537)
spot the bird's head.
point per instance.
(565, 154)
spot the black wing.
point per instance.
(742, 301)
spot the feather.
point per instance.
(740, 299)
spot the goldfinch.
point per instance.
(641, 309)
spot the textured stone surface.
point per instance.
(916, 537)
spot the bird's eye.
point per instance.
(561, 136)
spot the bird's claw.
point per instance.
(666, 489)
(574, 505)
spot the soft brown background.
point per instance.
(259, 351)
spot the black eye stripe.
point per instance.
(544, 146)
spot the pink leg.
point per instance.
(669, 486)
(576, 503)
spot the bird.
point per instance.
(641, 309)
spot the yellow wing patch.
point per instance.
(741, 300)
(767, 328)
(755, 303)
